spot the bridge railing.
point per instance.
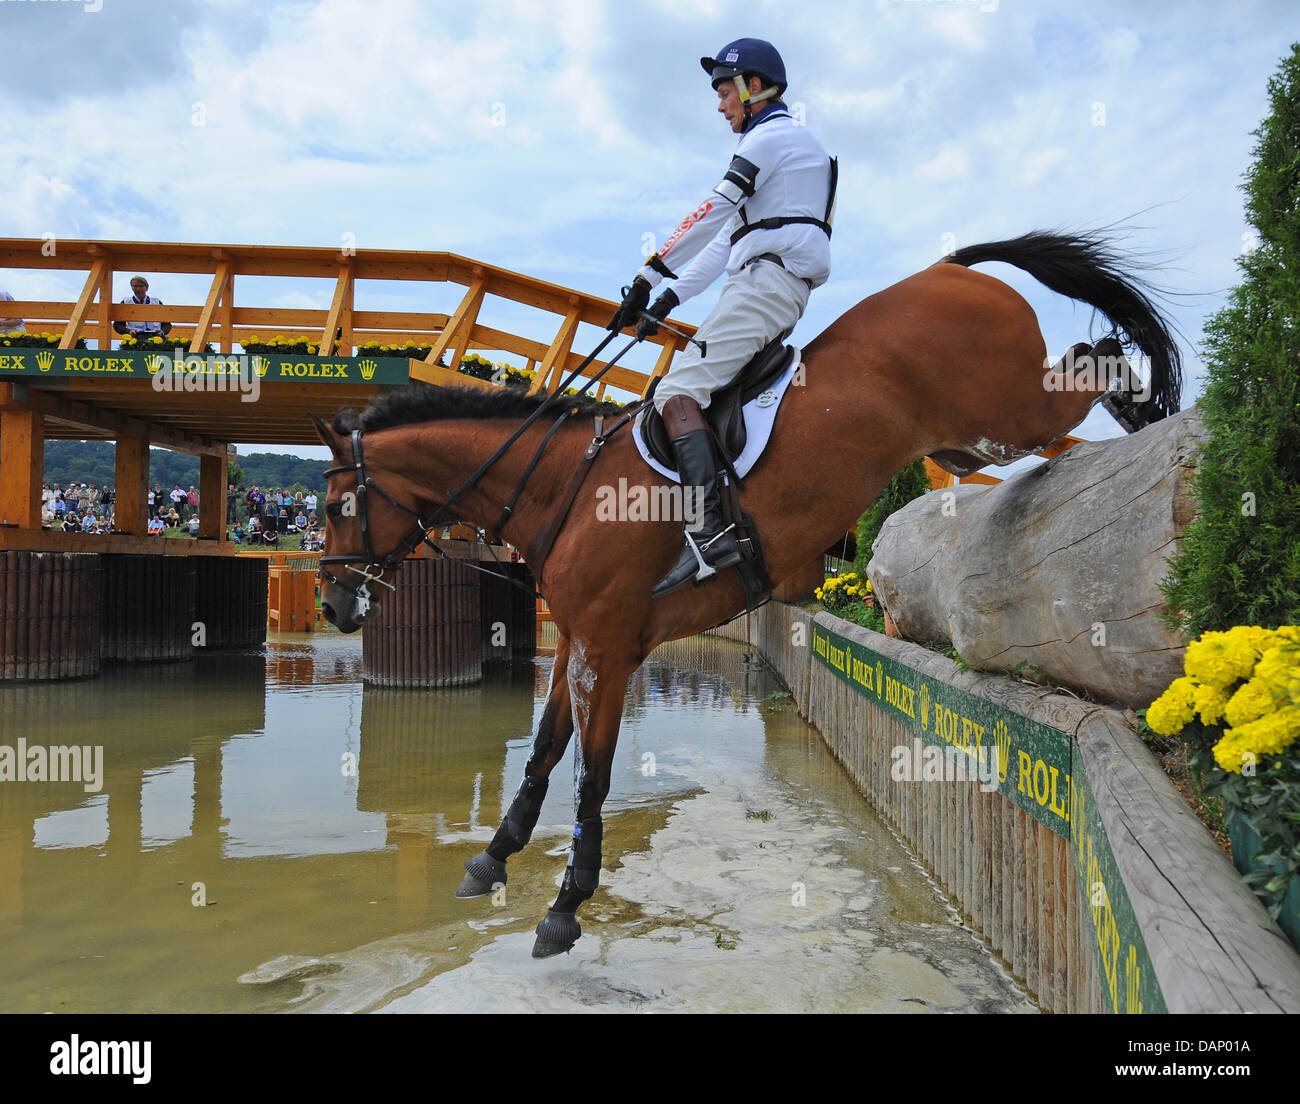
(219, 320)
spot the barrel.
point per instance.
(428, 631)
(147, 609)
(49, 615)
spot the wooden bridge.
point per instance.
(108, 394)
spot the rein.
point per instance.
(376, 566)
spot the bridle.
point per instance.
(376, 565)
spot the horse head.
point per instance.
(369, 528)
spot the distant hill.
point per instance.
(93, 462)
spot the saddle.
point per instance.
(726, 418)
(725, 413)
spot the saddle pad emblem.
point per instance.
(766, 399)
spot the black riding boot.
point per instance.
(698, 468)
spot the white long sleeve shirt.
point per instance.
(780, 169)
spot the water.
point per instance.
(272, 836)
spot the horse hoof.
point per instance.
(484, 874)
(556, 934)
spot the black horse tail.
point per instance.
(1083, 267)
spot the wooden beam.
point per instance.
(22, 466)
(18, 396)
(226, 315)
(131, 486)
(342, 302)
(212, 496)
(82, 307)
(556, 356)
(105, 312)
(467, 311)
(219, 281)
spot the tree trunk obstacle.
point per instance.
(1057, 568)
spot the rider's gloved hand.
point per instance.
(661, 308)
(635, 299)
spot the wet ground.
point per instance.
(272, 836)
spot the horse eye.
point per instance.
(334, 509)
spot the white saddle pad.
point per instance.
(760, 416)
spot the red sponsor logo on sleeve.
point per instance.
(689, 221)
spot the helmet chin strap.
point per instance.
(747, 101)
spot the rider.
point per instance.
(768, 223)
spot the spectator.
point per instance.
(106, 499)
(230, 504)
(71, 523)
(177, 496)
(8, 325)
(173, 519)
(241, 534)
(155, 526)
(193, 525)
(152, 500)
(142, 330)
(256, 503)
(192, 503)
(59, 506)
(254, 527)
(159, 500)
(309, 502)
(300, 520)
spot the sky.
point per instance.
(561, 139)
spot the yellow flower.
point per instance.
(818, 591)
(1220, 659)
(1209, 704)
(868, 587)
(1268, 735)
(1279, 668)
(1171, 712)
(1250, 702)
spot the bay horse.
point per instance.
(948, 363)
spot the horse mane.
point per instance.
(417, 403)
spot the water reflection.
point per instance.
(263, 807)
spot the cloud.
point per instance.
(553, 138)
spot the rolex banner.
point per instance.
(1029, 764)
(34, 363)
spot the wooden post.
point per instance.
(131, 485)
(215, 292)
(104, 312)
(98, 272)
(22, 465)
(212, 497)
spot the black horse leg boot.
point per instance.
(712, 545)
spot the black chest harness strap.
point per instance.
(823, 223)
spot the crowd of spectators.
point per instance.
(273, 514)
(77, 508)
(276, 513)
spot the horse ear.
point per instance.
(327, 435)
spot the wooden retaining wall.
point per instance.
(148, 609)
(49, 615)
(1078, 863)
(230, 600)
